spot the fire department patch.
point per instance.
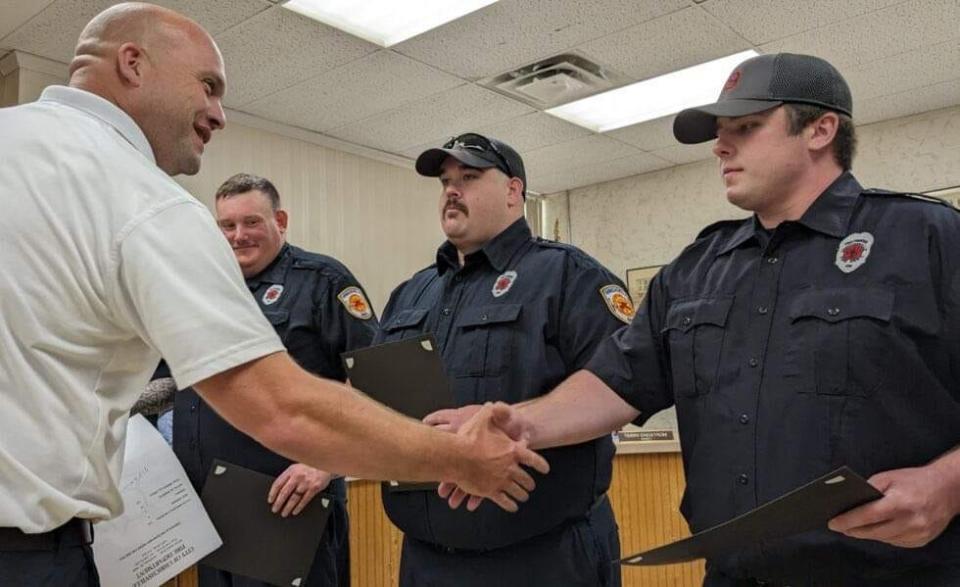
(853, 251)
(503, 283)
(272, 294)
(618, 302)
(355, 302)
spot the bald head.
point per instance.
(162, 69)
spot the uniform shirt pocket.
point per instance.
(404, 324)
(837, 340)
(694, 333)
(485, 334)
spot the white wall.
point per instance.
(648, 219)
(379, 219)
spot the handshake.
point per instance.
(501, 435)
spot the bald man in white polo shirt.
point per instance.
(106, 263)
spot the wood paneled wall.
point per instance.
(645, 494)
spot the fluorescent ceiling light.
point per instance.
(652, 98)
(385, 22)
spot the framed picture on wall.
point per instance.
(660, 433)
(638, 279)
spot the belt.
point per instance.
(76, 532)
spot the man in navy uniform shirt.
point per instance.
(513, 316)
(319, 310)
(822, 331)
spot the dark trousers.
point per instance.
(331, 562)
(580, 554)
(60, 558)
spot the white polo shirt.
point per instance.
(105, 265)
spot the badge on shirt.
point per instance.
(272, 294)
(355, 302)
(503, 283)
(618, 302)
(853, 251)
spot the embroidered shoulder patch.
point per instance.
(355, 303)
(618, 302)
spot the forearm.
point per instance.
(579, 409)
(947, 466)
(327, 425)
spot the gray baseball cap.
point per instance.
(764, 82)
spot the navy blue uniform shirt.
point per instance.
(519, 317)
(299, 293)
(832, 340)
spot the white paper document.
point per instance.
(164, 529)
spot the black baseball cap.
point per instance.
(761, 83)
(474, 150)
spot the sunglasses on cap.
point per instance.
(474, 142)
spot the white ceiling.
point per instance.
(900, 56)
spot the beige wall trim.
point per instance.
(19, 60)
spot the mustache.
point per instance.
(456, 205)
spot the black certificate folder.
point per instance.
(258, 543)
(406, 375)
(806, 508)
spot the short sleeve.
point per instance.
(179, 287)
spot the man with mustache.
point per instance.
(822, 331)
(319, 310)
(107, 264)
(513, 315)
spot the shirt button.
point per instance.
(458, 278)
(762, 309)
(483, 318)
(772, 260)
(753, 362)
(687, 321)
(445, 311)
(744, 419)
(193, 408)
(833, 311)
(743, 479)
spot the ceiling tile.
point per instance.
(913, 69)
(878, 35)
(590, 150)
(681, 154)
(279, 49)
(647, 136)
(353, 92)
(558, 179)
(692, 35)
(15, 14)
(513, 33)
(53, 33)
(432, 120)
(916, 100)
(762, 22)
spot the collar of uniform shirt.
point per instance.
(498, 250)
(830, 213)
(275, 272)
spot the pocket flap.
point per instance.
(405, 319)
(490, 315)
(688, 314)
(843, 303)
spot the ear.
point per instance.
(822, 131)
(281, 217)
(130, 63)
(515, 195)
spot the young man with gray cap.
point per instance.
(513, 315)
(822, 331)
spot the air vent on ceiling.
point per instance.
(556, 80)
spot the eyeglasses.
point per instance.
(475, 142)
